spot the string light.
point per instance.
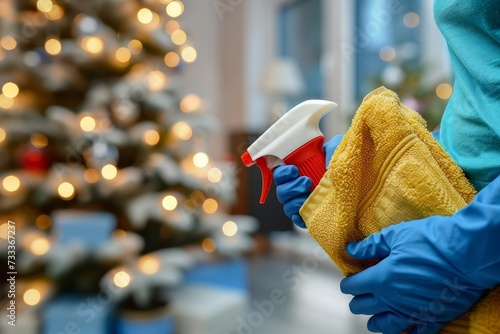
(230, 228)
(87, 123)
(109, 172)
(444, 91)
(200, 160)
(190, 103)
(8, 42)
(210, 205)
(179, 37)
(172, 26)
(188, 54)
(6, 102)
(387, 53)
(169, 202)
(214, 175)
(149, 265)
(53, 46)
(145, 15)
(11, 183)
(91, 175)
(43, 222)
(44, 6)
(3, 135)
(135, 46)
(151, 137)
(123, 55)
(209, 245)
(39, 140)
(156, 80)
(411, 20)
(32, 297)
(175, 9)
(40, 246)
(121, 279)
(66, 191)
(92, 44)
(10, 90)
(182, 130)
(4, 231)
(55, 13)
(172, 59)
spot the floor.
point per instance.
(295, 290)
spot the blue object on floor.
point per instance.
(162, 324)
(77, 314)
(232, 274)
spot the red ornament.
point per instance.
(34, 159)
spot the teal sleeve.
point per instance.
(470, 127)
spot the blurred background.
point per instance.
(124, 205)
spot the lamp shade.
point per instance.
(282, 77)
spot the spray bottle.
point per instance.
(294, 139)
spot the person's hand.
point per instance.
(431, 270)
(330, 146)
(292, 191)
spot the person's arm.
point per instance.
(431, 270)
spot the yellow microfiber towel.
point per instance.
(388, 169)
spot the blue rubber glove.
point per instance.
(432, 270)
(292, 190)
(330, 146)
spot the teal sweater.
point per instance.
(470, 128)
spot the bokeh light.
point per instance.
(230, 228)
(172, 59)
(87, 123)
(66, 191)
(179, 37)
(135, 46)
(200, 160)
(39, 140)
(123, 54)
(151, 137)
(444, 91)
(387, 53)
(214, 175)
(53, 46)
(157, 80)
(190, 103)
(172, 26)
(10, 90)
(92, 44)
(182, 130)
(169, 202)
(210, 205)
(32, 297)
(411, 20)
(121, 279)
(209, 245)
(175, 9)
(149, 265)
(145, 15)
(189, 54)
(11, 183)
(40, 246)
(43, 222)
(109, 171)
(3, 135)
(91, 175)
(8, 42)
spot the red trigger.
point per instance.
(267, 178)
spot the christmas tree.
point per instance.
(104, 167)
